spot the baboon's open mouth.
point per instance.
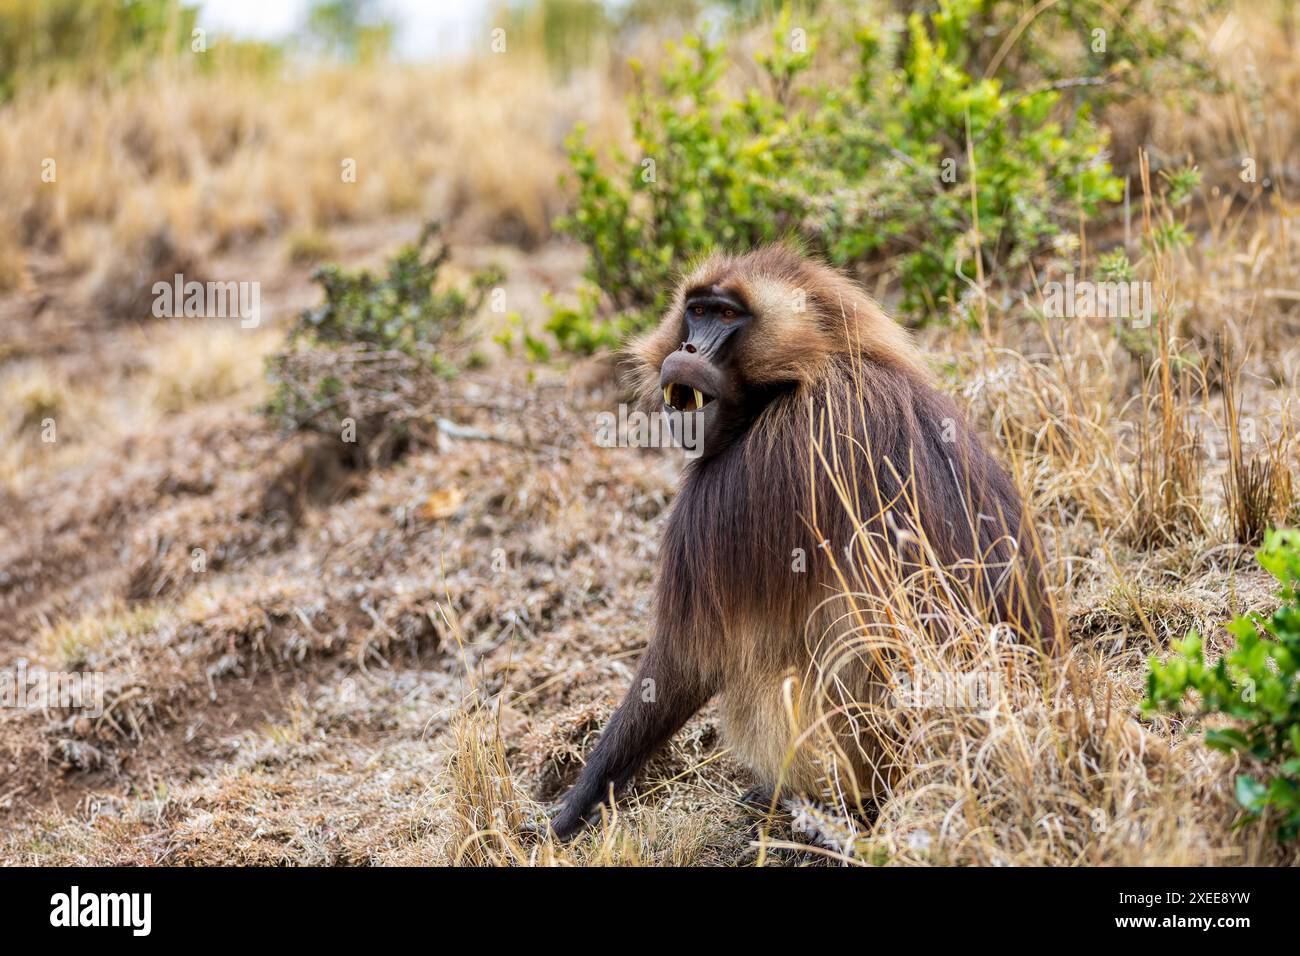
(685, 398)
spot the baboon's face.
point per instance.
(701, 377)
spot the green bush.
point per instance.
(878, 167)
(399, 309)
(1096, 47)
(368, 361)
(1256, 684)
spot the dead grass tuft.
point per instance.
(196, 364)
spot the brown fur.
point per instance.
(837, 318)
(857, 460)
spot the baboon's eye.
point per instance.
(698, 310)
(729, 314)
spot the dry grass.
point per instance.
(192, 366)
(40, 405)
(58, 417)
(205, 162)
(70, 643)
(1258, 490)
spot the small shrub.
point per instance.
(398, 310)
(1255, 684)
(366, 363)
(578, 328)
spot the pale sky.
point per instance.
(425, 28)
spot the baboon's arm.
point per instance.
(662, 698)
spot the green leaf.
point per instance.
(1251, 794)
(1227, 740)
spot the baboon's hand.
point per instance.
(555, 823)
(571, 819)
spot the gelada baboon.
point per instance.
(823, 438)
